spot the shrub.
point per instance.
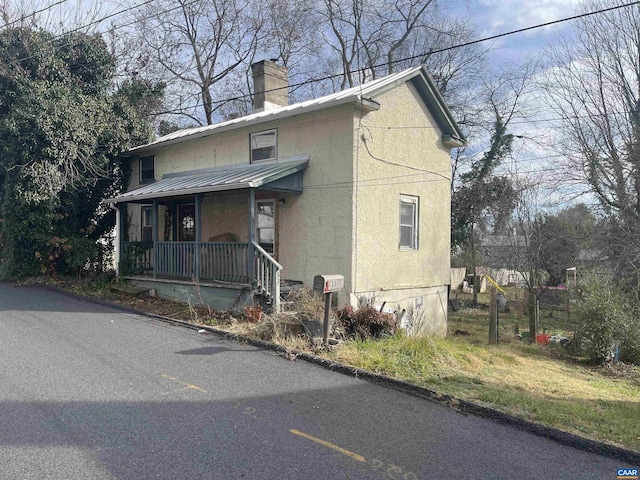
(606, 319)
(365, 322)
(75, 255)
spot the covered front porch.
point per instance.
(170, 219)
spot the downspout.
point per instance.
(118, 243)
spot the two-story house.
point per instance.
(356, 183)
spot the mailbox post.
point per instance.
(327, 284)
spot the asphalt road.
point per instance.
(89, 392)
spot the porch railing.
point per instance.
(267, 275)
(224, 261)
(218, 261)
(136, 258)
(175, 259)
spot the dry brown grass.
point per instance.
(539, 383)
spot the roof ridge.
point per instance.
(342, 96)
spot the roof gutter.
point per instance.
(367, 105)
(453, 142)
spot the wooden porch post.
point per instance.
(156, 224)
(198, 236)
(252, 234)
(174, 215)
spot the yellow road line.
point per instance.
(324, 443)
(186, 385)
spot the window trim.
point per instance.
(275, 145)
(189, 207)
(271, 201)
(143, 223)
(415, 202)
(153, 170)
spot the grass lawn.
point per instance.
(544, 384)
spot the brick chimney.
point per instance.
(270, 85)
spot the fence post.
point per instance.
(493, 316)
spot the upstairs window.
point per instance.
(408, 222)
(147, 169)
(264, 146)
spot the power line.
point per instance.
(414, 57)
(327, 77)
(98, 21)
(44, 9)
(513, 122)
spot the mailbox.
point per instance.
(328, 283)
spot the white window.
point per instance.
(408, 222)
(266, 225)
(264, 146)
(147, 169)
(147, 224)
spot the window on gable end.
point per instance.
(408, 222)
(147, 169)
(264, 146)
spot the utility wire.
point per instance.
(512, 122)
(98, 21)
(24, 17)
(414, 57)
(326, 77)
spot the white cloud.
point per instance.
(500, 15)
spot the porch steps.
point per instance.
(130, 289)
(287, 286)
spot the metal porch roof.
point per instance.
(215, 180)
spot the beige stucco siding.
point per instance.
(402, 155)
(225, 213)
(314, 228)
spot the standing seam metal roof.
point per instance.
(225, 178)
(352, 94)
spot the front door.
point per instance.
(266, 225)
(186, 223)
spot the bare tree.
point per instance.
(368, 35)
(594, 88)
(198, 44)
(483, 198)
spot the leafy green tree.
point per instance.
(562, 240)
(63, 124)
(481, 195)
(482, 199)
(607, 319)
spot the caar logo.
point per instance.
(627, 473)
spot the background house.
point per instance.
(355, 183)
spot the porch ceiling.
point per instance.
(282, 176)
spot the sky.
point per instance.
(498, 16)
(532, 159)
(492, 17)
